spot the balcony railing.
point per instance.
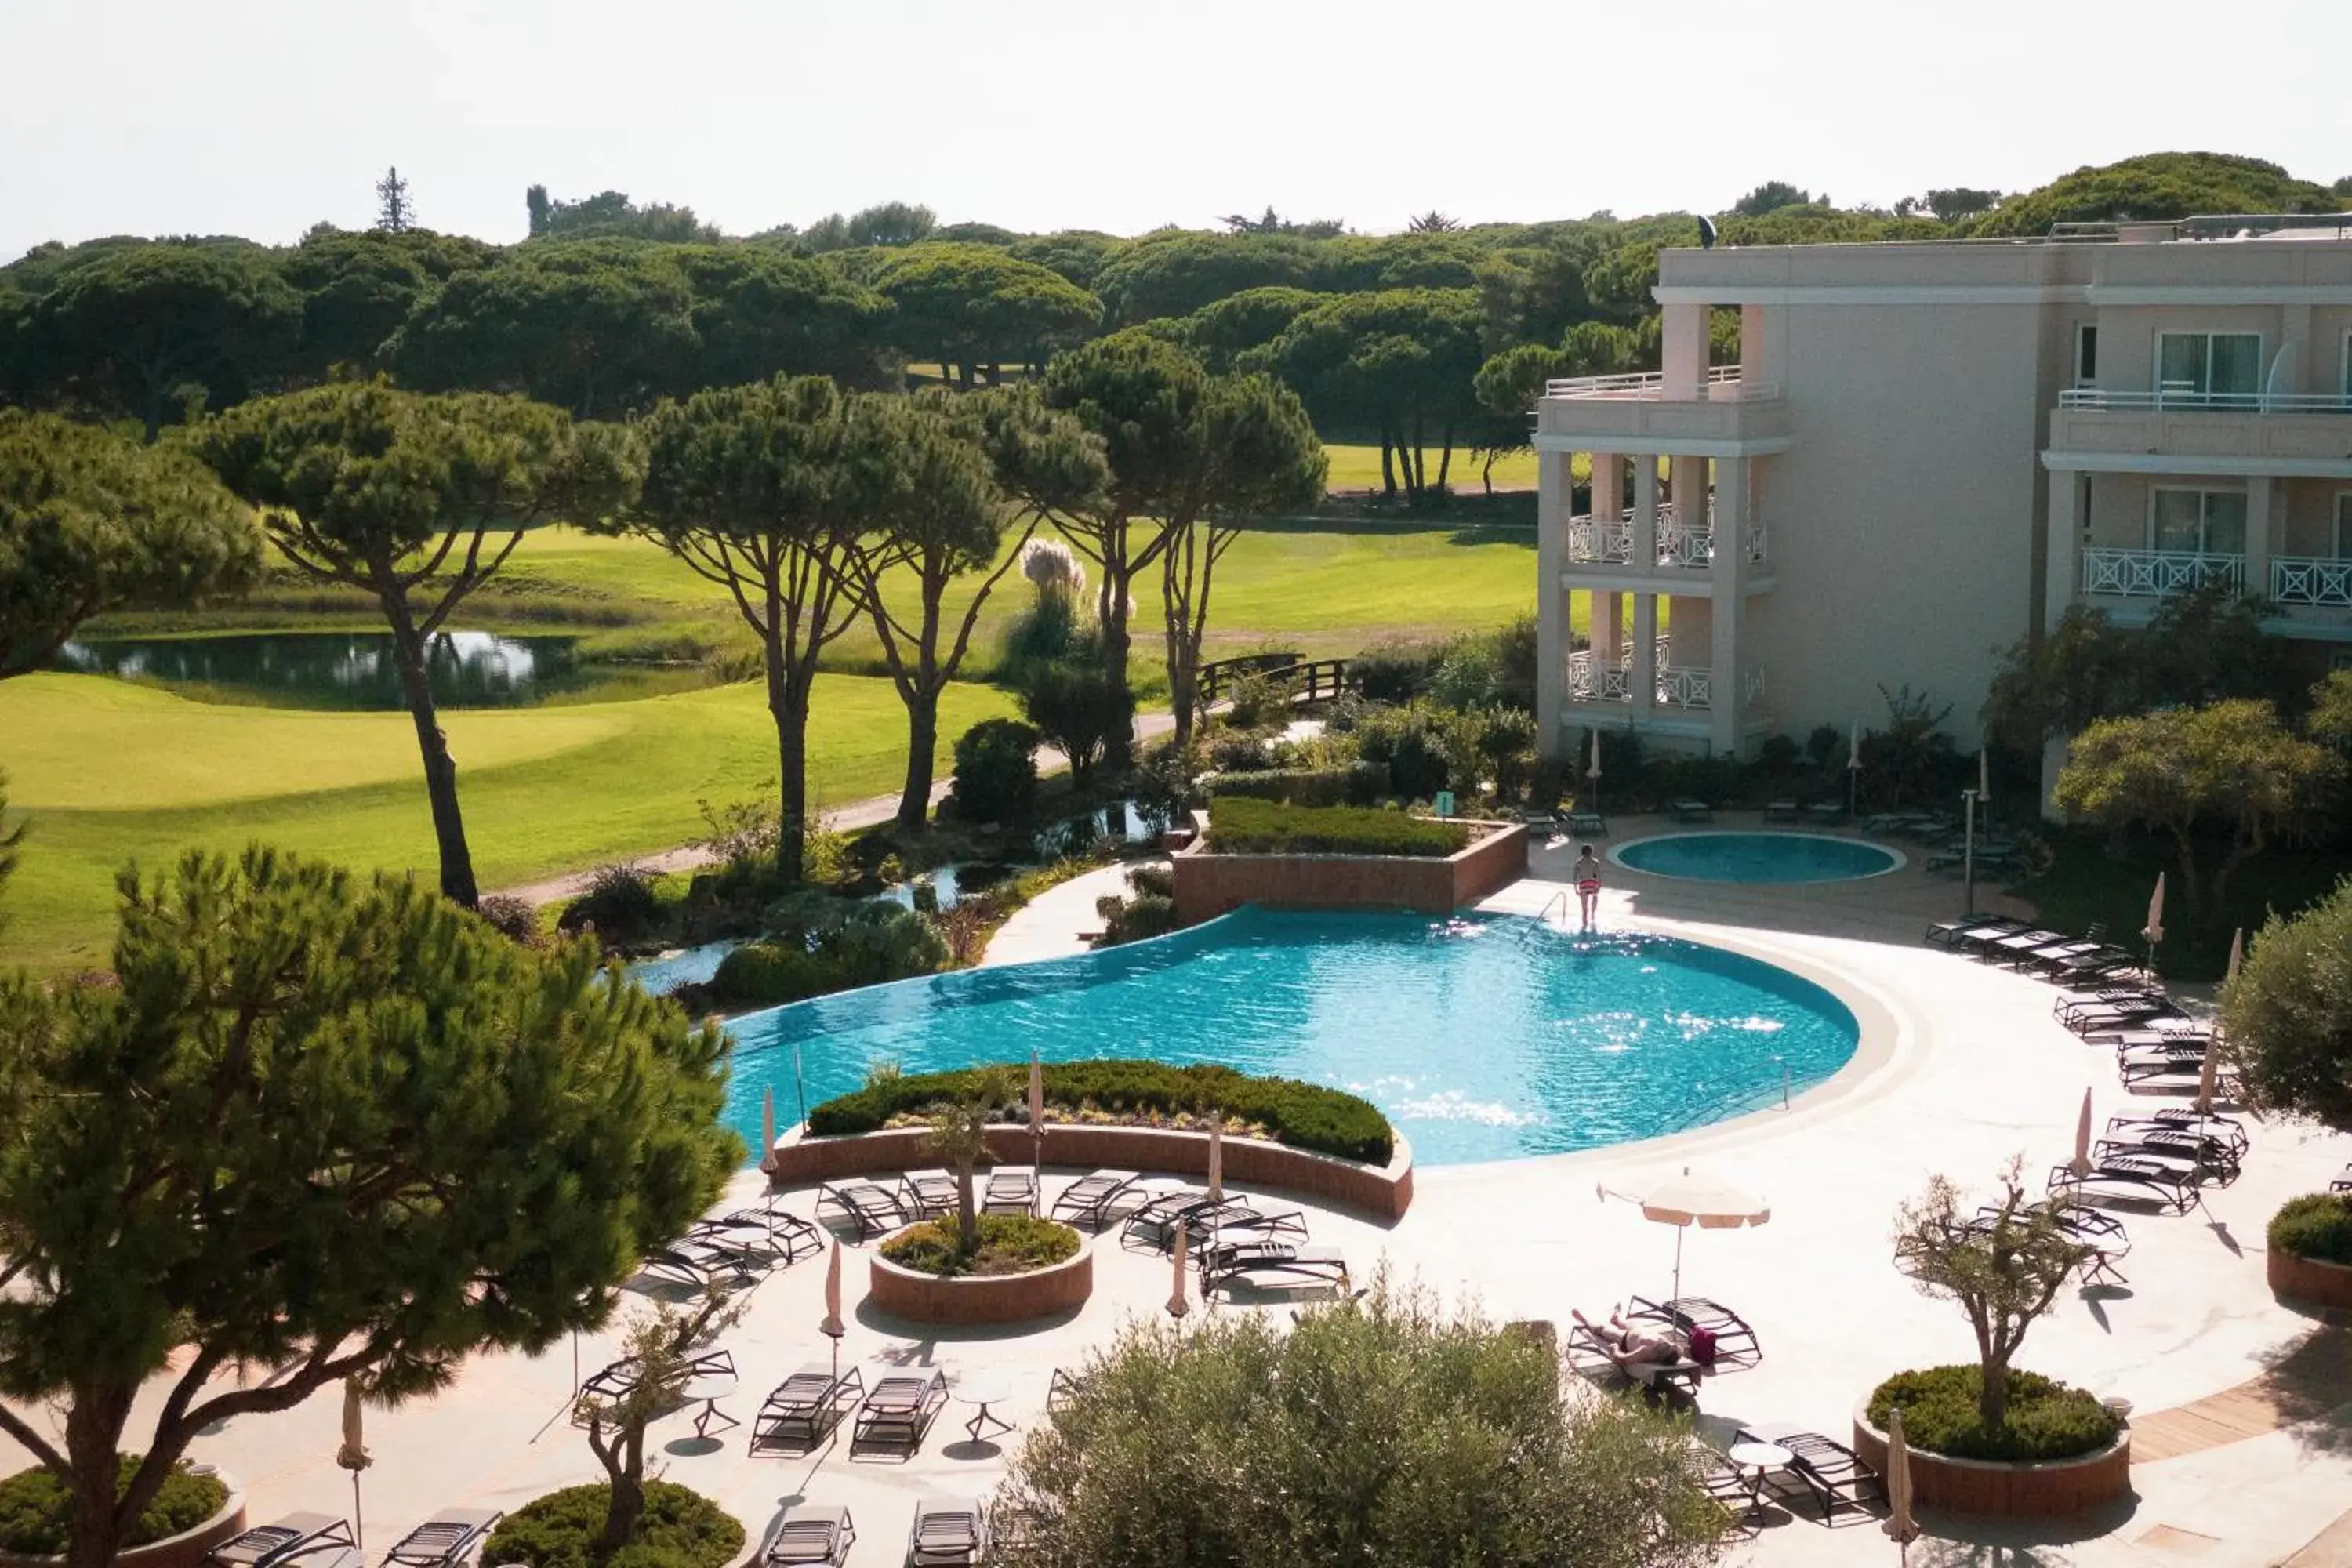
(2147, 573)
(1604, 540)
(1723, 384)
(2187, 400)
(1608, 541)
(2311, 580)
(1592, 679)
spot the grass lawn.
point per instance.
(2089, 880)
(1358, 468)
(109, 772)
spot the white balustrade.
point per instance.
(1723, 384)
(1603, 540)
(1685, 687)
(2188, 399)
(2142, 573)
(1755, 540)
(1680, 546)
(2311, 580)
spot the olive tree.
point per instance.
(2004, 1267)
(659, 1348)
(959, 1138)
(2286, 1018)
(416, 501)
(1382, 1433)
(320, 1128)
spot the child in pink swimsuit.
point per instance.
(1588, 884)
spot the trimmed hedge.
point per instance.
(679, 1528)
(1302, 1115)
(1359, 783)
(2317, 1226)
(1239, 825)
(1009, 1244)
(2047, 1419)
(36, 1508)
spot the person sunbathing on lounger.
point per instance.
(1628, 1346)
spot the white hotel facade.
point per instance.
(1926, 450)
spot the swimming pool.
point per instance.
(1483, 1038)
(1781, 857)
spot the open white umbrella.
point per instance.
(768, 1127)
(1900, 1527)
(2082, 1161)
(1217, 1156)
(833, 1327)
(1683, 1200)
(1177, 1305)
(352, 1454)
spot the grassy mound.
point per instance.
(1302, 1115)
(2047, 1419)
(680, 1529)
(36, 1508)
(1009, 1244)
(1242, 824)
(2317, 1226)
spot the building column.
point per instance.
(1687, 486)
(2311, 367)
(1682, 352)
(2065, 558)
(1554, 499)
(1604, 629)
(1645, 673)
(1728, 586)
(1755, 367)
(2262, 522)
(1606, 501)
(1646, 512)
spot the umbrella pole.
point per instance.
(1678, 1265)
(358, 1529)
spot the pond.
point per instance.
(336, 670)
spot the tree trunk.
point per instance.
(1486, 475)
(1388, 467)
(967, 1207)
(1992, 1403)
(94, 1425)
(922, 741)
(627, 1504)
(789, 706)
(1110, 620)
(440, 769)
(2191, 904)
(1446, 459)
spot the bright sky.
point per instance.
(261, 117)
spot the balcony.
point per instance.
(2152, 573)
(1606, 542)
(1680, 687)
(2235, 428)
(1638, 413)
(2321, 581)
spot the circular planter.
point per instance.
(2307, 1279)
(2050, 1488)
(186, 1550)
(981, 1298)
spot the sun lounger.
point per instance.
(1065, 1386)
(786, 1236)
(2103, 962)
(947, 1534)
(805, 1407)
(1283, 1263)
(2095, 1229)
(1014, 1530)
(869, 1209)
(1828, 1468)
(281, 1540)
(1011, 1189)
(1736, 1346)
(2128, 1176)
(1781, 811)
(1092, 1197)
(898, 1410)
(449, 1539)
(928, 1193)
(2016, 946)
(1692, 811)
(2226, 1130)
(1155, 1219)
(1243, 1221)
(1587, 822)
(2163, 1140)
(2341, 1182)
(812, 1535)
(2145, 1066)
(698, 1264)
(1953, 933)
(1593, 1357)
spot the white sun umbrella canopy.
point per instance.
(1688, 1198)
(2082, 1161)
(2154, 930)
(768, 1127)
(1217, 1155)
(1177, 1305)
(1900, 1527)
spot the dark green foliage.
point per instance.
(996, 771)
(620, 904)
(1411, 743)
(2317, 1226)
(975, 308)
(2287, 1016)
(1359, 783)
(1770, 194)
(511, 918)
(1303, 1115)
(37, 1508)
(1135, 919)
(1008, 1244)
(2158, 186)
(1395, 672)
(2201, 647)
(357, 288)
(2047, 1420)
(611, 215)
(820, 944)
(680, 1529)
(1240, 825)
(1078, 707)
(1045, 632)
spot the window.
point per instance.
(2210, 370)
(2198, 522)
(2086, 355)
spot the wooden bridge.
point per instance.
(1306, 679)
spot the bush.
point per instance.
(36, 1508)
(996, 772)
(1257, 697)
(1009, 1244)
(1239, 825)
(680, 1529)
(2288, 1014)
(2316, 1225)
(1394, 673)
(620, 903)
(1411, 743)
(1080, 709)
(822, 943)
(1242, 754)
(1302, 1115)
(1359, 783)
(1158, 881)
(2047, 1420)
(1045, 632)
(510, 916)
(1127, 919)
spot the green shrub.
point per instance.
(1239, 825)
(1396, 673)
(1359, 783)
(1080, 709)
(1133, 919)
(1409, 741)
(680, 1529)
(1160, 881)
(620, 902)
(996, 771)
(1009, 1244)
(1302, 1115)
(2316, 1225)
(768, 975)
(510, 916)
(823, 943)
(37, 1508)
(2047, 1420)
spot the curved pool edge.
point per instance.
(1896, 858)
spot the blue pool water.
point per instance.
(1482, 1037)
(1756, 857)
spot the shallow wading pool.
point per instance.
(1782, 859)
(1482, 1037)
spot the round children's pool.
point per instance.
(1777, 858)
(1481, 1037)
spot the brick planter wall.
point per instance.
(2308, 1280)
(186, 1549)
(2059, 1489)
(1209, 885)
(1382, 1191)
(981, 1298)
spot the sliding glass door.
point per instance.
(2198, 522)
(2210, 370)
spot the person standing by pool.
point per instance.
(1588, 883)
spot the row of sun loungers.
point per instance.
(870, 1208)
(896, 1411)
(449, 1539)
(1709, 1337)
(948, 1532)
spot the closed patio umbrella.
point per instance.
(1036, 1110)
(1593, 768)
(2154, 931)
(1177, 1305)
(1900, 1527)
(352, 1454)
(768, 1127)
(833, 1327)
(2082, 1161)
(1683, 1200)
(1853, 768)
(1217, 1156)
(2237, 953)
(2208, 1080)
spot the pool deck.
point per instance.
(1961, 1068)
